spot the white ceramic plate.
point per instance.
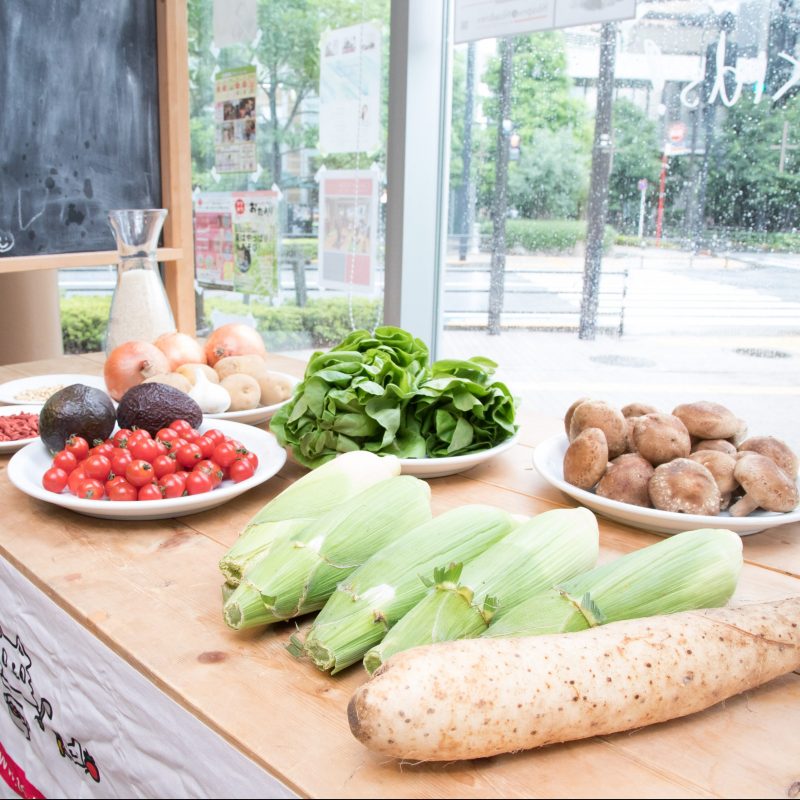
(11, 390)
(548, 458)
(25, 470)
(7, 411)
(255, 416)
(450, 465)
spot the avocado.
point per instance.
(154, 406)
(76, 409)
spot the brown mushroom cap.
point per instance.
(773, 448)
(586, 458)
(598, 414)
(765, 484)
(660, 438)
(684, 486)
(626, 480)
(707, 420)
(570, 412)
(721, 466)
(637, 410)
(723, 445)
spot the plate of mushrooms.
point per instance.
(664, 472)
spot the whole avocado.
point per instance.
(78, 410)
(154, 406)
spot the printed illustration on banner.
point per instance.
(350, 90)
(235, 120)
(213, 239)
(348, 223)
(255, 242)
(19, 695)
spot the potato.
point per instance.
(244, 391)
(252, 365)
(188, 370)
(275, 388)
(174, 379)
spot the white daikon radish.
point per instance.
(481, 697)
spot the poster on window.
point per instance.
(213, 239)
(587, 12)
(348, 224)
(350, 90)
(255, 242)
(235, 120)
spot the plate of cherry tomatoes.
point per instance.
(134, 475)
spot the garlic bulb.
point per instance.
(211, 397)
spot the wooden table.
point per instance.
(290, 719)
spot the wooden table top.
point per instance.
(291, 719)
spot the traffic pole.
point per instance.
(662, 183)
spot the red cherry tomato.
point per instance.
(119, 489)
(167, 437)
(225, 454)
(98, 467)
(216, 435)
(120, 458)
(188, 455)
(146, 449)
(198, 483)
(65, 460)
(164, 465)
(91, 489)
(102, 449)
(120, 438)
(139, 472)
(252, 458)
(181, 426)
(173, 485)
(78, 446)
(150, 491)
(206, 445)
(214, 471)
(241, 470)
(55, 480)
(75, 477)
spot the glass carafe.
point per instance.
(140, 309)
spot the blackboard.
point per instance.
(79, 121)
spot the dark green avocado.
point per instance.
(76, 410)
(154, 406)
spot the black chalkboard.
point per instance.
(78, 121)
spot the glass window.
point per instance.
(623, 210)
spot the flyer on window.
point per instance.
(235, 120)
(348, 228)
(213, 239)
(350, 90)
(255, 242)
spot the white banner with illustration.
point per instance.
(235, 120)
(78, 721)
(348, 228)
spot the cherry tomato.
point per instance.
(173, 485)
(181, 426)
(216, 435)
(252, 458)
(76, 477)
(206, 445)
(241, 470)
(102, 449)
(139, 472)
(225, 454)
(164, 465)
(78, 446)
(167, 437)
(150, 491)
(198, 483)
(188, 455)
(91, 489)
(55, 480)
(214, 471)
(119, 489)
(120, 458)
(65, 460)
(98, 467)
(145, 449)
(120, 438)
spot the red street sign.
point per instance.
(676, 132)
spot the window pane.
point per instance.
(695, 296)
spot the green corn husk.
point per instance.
(694, 569)
(305, 500)
(300, 573)
(360, 611)
(552, 547)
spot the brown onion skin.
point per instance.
(130, 363)
(180, 348)
(234, 339)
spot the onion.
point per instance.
(130, 363)
(180, 348)
(234, 339)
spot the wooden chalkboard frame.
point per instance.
(177, 254)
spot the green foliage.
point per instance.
(548, 236)
(83, 322)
